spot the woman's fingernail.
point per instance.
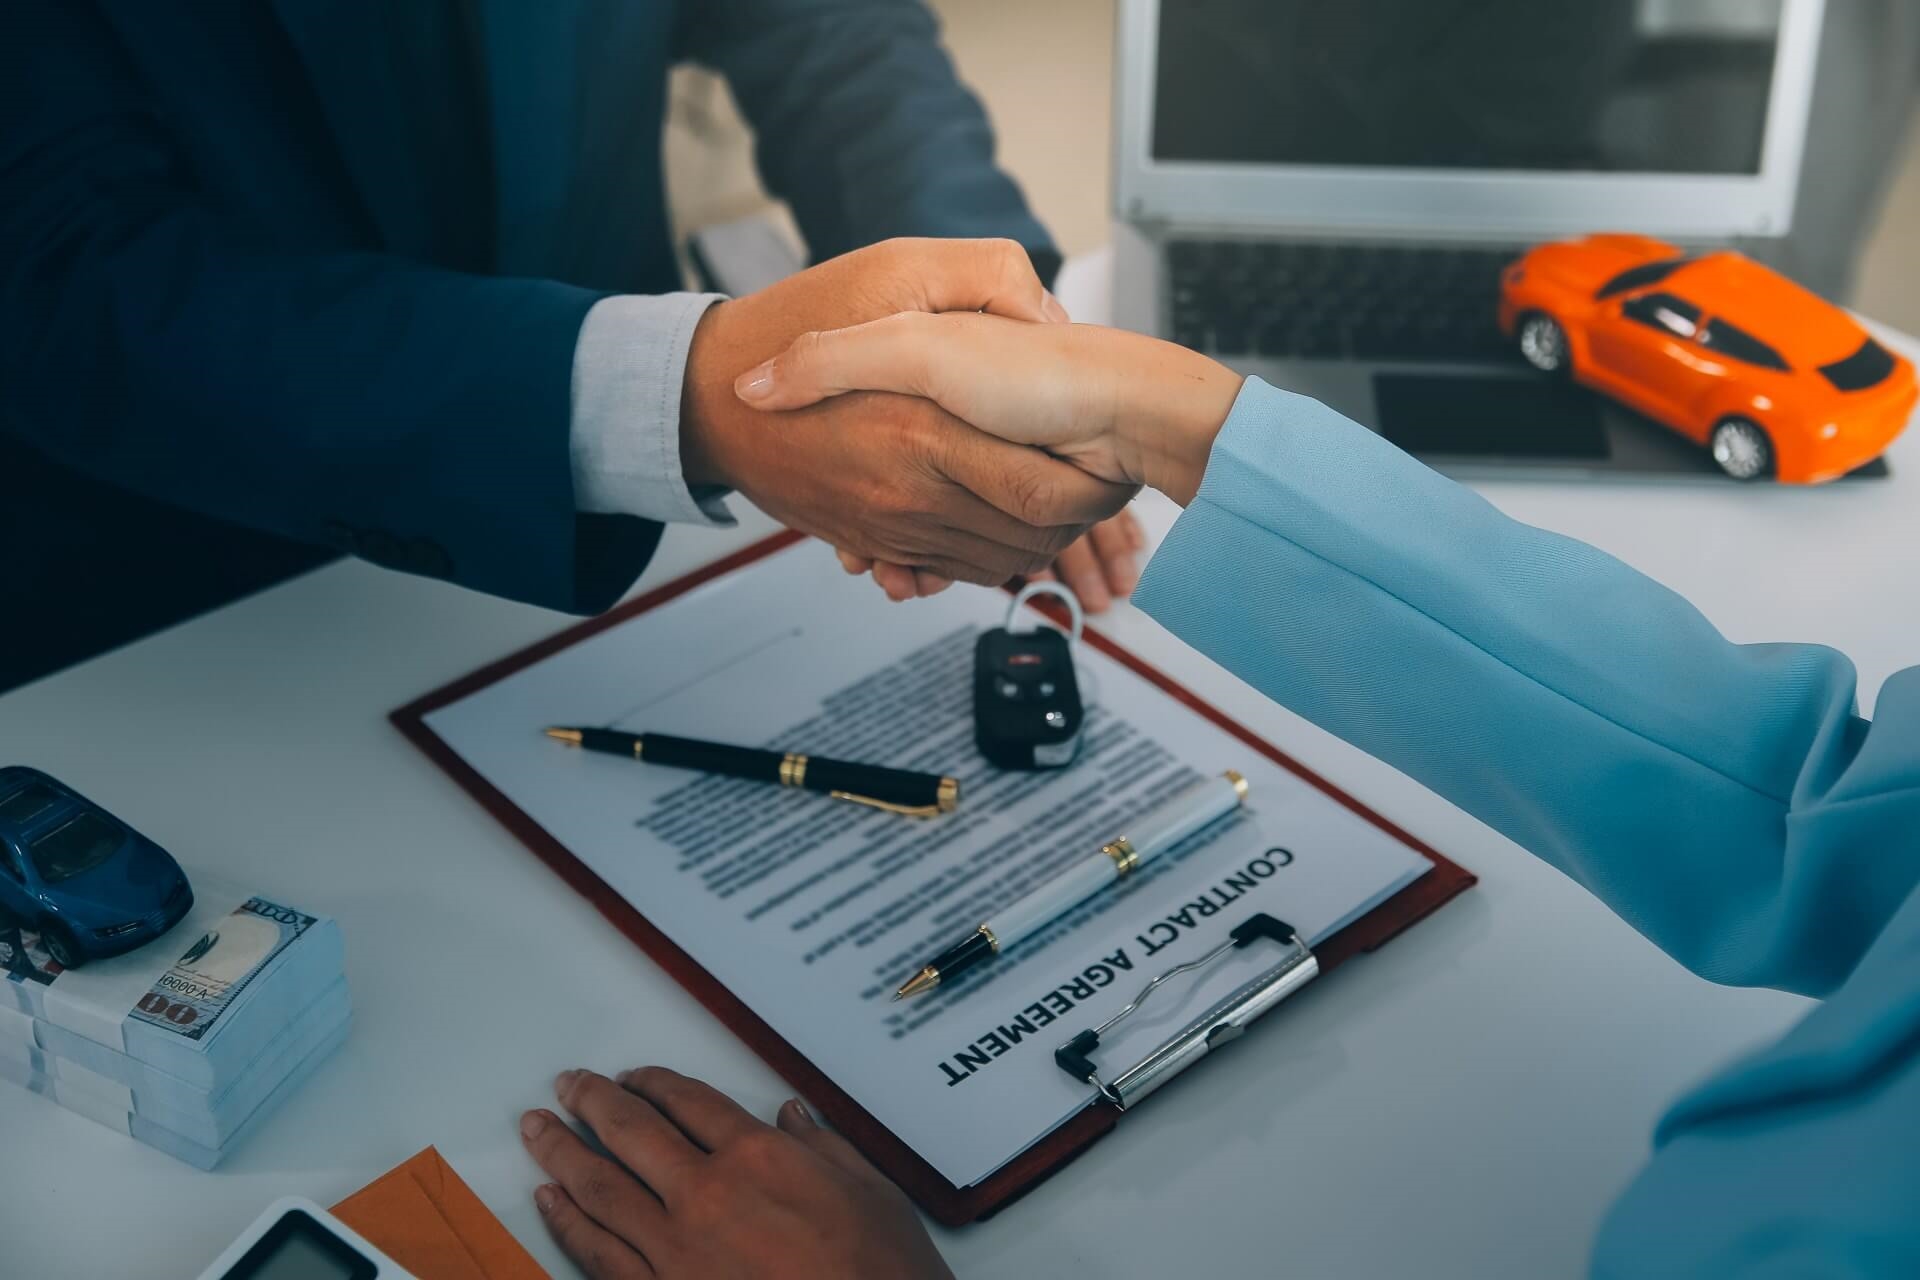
(564, 1081)
(532, 1125)
(797, 1111)
(1050, 308)
(545, 1196)
(755, 383)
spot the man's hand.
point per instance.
(1101, 567)
(692, 1186)
(1104, 564)
(884, 477)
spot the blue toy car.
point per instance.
(86, 882)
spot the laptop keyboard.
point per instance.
(1331, 301)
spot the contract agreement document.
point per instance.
(812, 910)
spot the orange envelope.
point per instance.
(426, 1219)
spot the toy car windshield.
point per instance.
(1638, 277)
(75, 847)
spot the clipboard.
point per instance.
(948, 1204)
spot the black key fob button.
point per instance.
(1026, 701)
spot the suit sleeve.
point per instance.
(1800, 1159)
(415, 415)
(1725, 799)
(861, 124)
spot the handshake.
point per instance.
(926, 407)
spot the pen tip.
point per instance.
(925, 980)
(564, 735)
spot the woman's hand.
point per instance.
(692, 1186)
(1123, 407)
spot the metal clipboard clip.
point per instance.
(1224, 1021)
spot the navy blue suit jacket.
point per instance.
(284, 279)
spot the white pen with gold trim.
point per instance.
(1200, 805)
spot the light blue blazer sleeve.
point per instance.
(1725, 799)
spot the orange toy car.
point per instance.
(1772, 379)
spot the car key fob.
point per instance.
(1027, 712)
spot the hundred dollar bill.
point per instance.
(103, 1106)
(198, 1004)
(189, 998)
(205, 1118)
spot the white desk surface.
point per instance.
(1466, 1102)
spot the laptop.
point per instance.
(1326, 194)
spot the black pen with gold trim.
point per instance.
(918, 795)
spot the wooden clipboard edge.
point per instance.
(950, 1205)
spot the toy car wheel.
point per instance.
(1742, 449)
(59, 943)
(1543, 343)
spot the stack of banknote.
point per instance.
(189, 1043)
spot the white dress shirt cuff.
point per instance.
(628, 366)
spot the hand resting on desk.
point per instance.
(693, 1187)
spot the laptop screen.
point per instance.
(1600, 86)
